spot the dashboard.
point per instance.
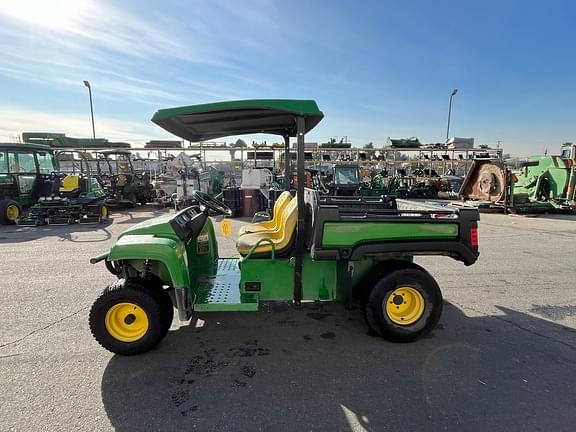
(188, 223)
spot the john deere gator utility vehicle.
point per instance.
(69, 195)
(313, 249)
(25, 171)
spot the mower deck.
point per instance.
(222, 292)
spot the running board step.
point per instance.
(222, 292)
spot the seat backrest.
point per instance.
(288, 220)
(312, 202)
(280, 204)
(70, 183)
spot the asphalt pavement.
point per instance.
(502, 358)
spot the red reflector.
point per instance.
(474, 236)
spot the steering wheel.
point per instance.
(212, 203)
(54, 175)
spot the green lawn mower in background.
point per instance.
(545, 183)
(71, 195)
(123, 186)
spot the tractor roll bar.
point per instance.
(300, 126)
(287, 162)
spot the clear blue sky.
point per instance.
(376, 68)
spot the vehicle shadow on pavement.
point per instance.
(316, 368)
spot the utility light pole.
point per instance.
(450, 112)
(87, 84)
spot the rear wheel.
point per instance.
(127, 318)
(404, 305)
(10, 211)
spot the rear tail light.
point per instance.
(443, 216)
(474, 237)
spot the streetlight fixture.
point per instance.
(87, 84)
(450, 112)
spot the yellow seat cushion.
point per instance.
(271, 225)
(281, 237)
(70, 183)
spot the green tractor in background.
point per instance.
(346, 180)
(124, 187)
(25, 176)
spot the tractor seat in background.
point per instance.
(283, 200)
(121, 180)
(283, 237)
(70, 184)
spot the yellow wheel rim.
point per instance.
(104, 212)
(405, 305)
(126, 322)
(12, 212)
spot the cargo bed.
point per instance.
(354, 227)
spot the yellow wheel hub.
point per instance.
(405, 305)
(104, 212)
(12, 212)
(126, 322)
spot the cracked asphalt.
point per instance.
(501, 359)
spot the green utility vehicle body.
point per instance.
(347, 249)
(24, 173)
(335, 250)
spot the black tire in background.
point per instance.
(6, 207)
(413, 277)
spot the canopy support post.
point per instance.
(300, 126)
(287, 163)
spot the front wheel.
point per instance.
(404, 305)
(127, 318)
(10, 211)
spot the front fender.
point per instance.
(171, 253)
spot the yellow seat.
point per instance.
(273, 224)
(70, 183)
(281, 237)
